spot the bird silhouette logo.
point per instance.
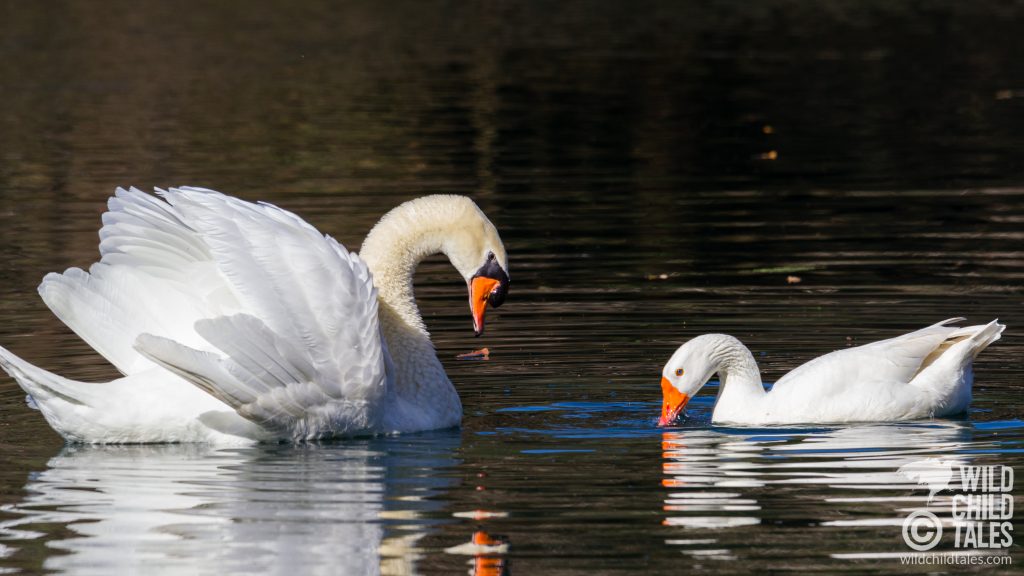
(934, 472)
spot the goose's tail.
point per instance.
(979, 336)
(948, 372)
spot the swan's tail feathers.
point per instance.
(53, 395)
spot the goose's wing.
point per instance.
(303, 353)
(895, 360)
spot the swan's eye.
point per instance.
(679, 371)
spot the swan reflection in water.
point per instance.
(720, 482)
(357, 507)
(487, 552)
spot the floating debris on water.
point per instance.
(481, 354)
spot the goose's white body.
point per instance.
(923, 374)
(238, 322)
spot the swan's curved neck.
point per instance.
(392, 251)
(738, 372)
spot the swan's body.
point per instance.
(234, 321)
(923, 374)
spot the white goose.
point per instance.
(240, 322)
(922, 374)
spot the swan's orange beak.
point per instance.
(488, 286)
(673, 402)
(480, 290)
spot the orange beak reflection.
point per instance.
(479, 291)
(672, 402)
(489, 564)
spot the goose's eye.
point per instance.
(679, 371)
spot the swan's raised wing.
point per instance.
(304, 352)
(155, 275)
(894, 360)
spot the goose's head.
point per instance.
(684, 375)
(476, 251)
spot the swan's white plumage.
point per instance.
(143, 283)
(306, 349)
(922, 374)
(276, 325)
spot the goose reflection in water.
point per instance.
(357, 507)
(722, 481)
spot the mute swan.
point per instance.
(239, 322)
(922, 374)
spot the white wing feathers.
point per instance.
(155, 275)
(263, 378)
(306, 287)
(143, 232)
(292, 311)
(894, 360)
(92, 305)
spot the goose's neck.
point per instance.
(738, 373)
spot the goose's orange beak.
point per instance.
(672, 402)
(480, 290)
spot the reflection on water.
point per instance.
(488, 553)
(830, 498)
(848, 480)
(609, 489)
(352, 508)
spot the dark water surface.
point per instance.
(657, 171)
